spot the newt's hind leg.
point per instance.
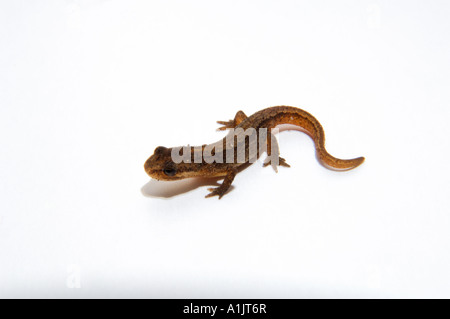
(239, 117)
(273, 154)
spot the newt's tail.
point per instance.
(334, 163)
(311, 126)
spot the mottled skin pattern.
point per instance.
(161, 167)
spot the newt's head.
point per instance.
(160, 165)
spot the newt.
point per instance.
(163, 166)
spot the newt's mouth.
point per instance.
(151, 169)
(148, 166)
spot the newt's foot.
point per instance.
(215, 191)
(238, 118)
(226, 125)
(281, 162)
(225, 186)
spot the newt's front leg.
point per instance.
(239, 117)
(225, 186)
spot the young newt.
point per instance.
(161, 165)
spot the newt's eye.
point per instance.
(170, 171)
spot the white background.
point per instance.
(88, 89)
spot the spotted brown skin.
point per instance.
(160, 165)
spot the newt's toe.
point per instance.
(281, 162)
(214, 192)
(226, 125)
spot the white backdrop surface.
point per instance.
(88, 89)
